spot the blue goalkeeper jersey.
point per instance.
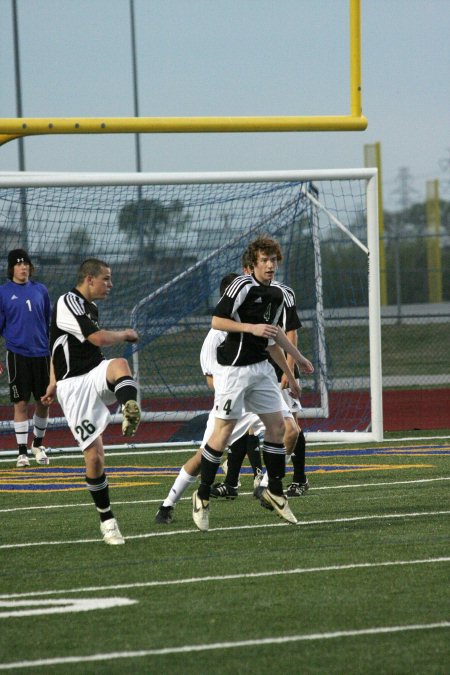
(25, 318)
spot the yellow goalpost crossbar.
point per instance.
(13, 128)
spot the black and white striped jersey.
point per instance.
(288, 321)
(74, 318)
(248, 301)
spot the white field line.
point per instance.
(130, 449)
(300, 523)
(227, 577)
(186, 649)
(43, 507)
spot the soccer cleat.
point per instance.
(111, 533)
(257, 493)
(223, 490)
(200, 512)
(40, 455)
(164, 515)
(131, 418)
(279, 504)
(297, 489)
(257, 480)
(22, 460)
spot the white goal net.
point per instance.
(169, 239)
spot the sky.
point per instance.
(233, 58)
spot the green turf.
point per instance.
(297, 582)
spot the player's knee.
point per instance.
(122, 365)
(290, 437)
(21, 407)
(276, 431)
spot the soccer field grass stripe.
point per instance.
(375, 486)
(227, 577)
(41, 487)
(172, 533)
(186, 649)
(314, 488)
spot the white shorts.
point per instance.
(247, 421)
(292, 403)
(84, 400)
(240, 389)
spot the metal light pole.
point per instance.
(135, 84)
(137, 136)
(23, 193)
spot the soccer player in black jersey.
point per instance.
(249, 312)
(87, 383)
(294, 438)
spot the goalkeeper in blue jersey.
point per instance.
(24, 323)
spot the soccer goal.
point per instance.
(170, 238)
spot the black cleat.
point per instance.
(164, 515)
(297, 489)
(222, 490)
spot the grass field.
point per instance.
(361, 585)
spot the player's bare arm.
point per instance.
(292, 337)
(303, 363)
(107, 338)
(265, 330)
(278, 356)
(50, 393)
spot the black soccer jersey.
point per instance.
(248, 301)
(288, 321)
(74, 319)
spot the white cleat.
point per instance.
(200, 512)
(22, 461)
(257, 479)
(111, 533)
(40, 455)
(131, 418)
(279, 503)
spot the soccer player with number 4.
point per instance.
(86, 383)
(249, 312)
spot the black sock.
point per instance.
(125, 389)
(236, 456)
(23, 450)
(298, 459)
(208, 470)
(275, 460)
(98, 487)
(37, 442)
(254, 453)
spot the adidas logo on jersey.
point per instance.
(258, 300)
(14, 297)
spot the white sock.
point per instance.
(182, 482)
(39, 426)
(265, 480)
(21, 431)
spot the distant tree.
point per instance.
(415, 217)
(144, 219)
(78, 243)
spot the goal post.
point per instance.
(170, 238)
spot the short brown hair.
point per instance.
(265, 244)
(91, 267)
